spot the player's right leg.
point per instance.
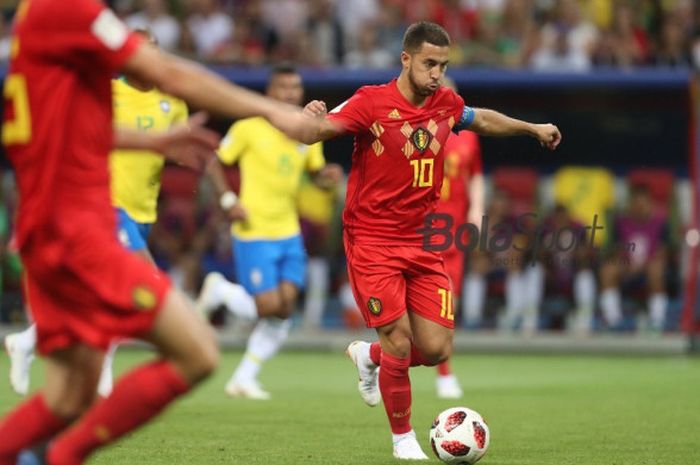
(71, 377)
(380, 290)
(188, 354)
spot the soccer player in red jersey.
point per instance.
(400, 130)
(462, 198)
(84, 288)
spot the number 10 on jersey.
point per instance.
(423, 172)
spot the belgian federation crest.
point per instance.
(421, 139)
(374, 305)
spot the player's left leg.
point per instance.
(271, 332)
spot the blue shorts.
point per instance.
(261, 265)
(132, 235)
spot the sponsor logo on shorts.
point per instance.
(374, 305)
(144, 298)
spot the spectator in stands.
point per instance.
(568, 257)
(369, 52)
(488, 46)
(519, 33)
(625, 44)
(209, 30)
(391, 27)
(638, 258)
(355, 15)
(673, 49)
(254, 42)
(324, 43)
(523, 279)
(155, 17)
(567, 41)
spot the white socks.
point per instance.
(611, 306)
(584, 299)
(236, 299)
(657, 310)
(473, 299)
(316, 291)
(264, 342)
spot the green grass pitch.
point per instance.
(541, 410)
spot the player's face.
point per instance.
(426, 68)
(286, 88)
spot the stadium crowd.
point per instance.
(559, 35)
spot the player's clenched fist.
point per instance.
(548, 135)
(315, 108)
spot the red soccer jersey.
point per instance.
(58, 123)
(462, 161)
(397, 161)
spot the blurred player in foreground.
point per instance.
(135, 184)
(401, 129)
(83, 288)
(461, 197)
(268, 249)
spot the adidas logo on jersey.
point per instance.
(394, 114)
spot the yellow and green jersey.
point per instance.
(271, 167)
(135, 174)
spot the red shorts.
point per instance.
(389, 280)
(89, 289)
(454, 265)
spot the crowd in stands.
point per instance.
(548, 35)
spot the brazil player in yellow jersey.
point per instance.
(269, 254)
(135, 185)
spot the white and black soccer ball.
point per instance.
(459, 436)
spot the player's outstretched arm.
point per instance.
(492, 123)
(191, 145)
(204, 89)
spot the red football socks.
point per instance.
(395, 387)
(28, 425)
(444, 369)
(136, 398)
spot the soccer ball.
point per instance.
(459, 436)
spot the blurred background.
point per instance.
(617, 77)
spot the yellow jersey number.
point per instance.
(446, 304)
(18, 130)
(423, 172)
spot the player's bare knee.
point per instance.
(396, 340)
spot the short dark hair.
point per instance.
(283, 68)
(424, 31)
